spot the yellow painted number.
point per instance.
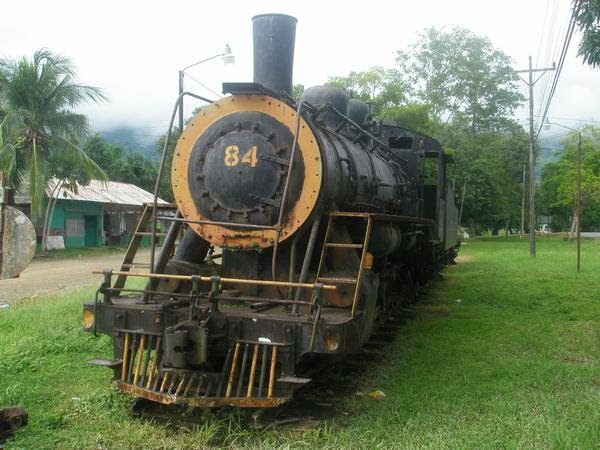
(249, 157)
(232, 156)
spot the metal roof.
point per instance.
(111, 192)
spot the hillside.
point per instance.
(550, 151)
(136, 140)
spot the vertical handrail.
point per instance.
(285, 190)
(163, 158)
(312, 239)
(362, 262)
(317, 291)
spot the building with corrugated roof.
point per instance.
(100, 213)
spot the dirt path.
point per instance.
(56, 275)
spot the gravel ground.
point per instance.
(47, 276)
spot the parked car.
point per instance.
(545, 228)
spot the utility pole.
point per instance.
(523, 204)
(578, 202)
(530, 83)
(577, 221)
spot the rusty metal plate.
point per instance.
(201, 402)
(18, 242)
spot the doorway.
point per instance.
(91, 233)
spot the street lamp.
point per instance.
(228, 58)
(578, 199)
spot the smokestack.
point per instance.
(274, 37)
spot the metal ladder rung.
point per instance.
(363, 248)
(348, 214)
(342, 245)
(163, 205)
(337, 280)
(132, 265)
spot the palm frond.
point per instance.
(68, 124)
(39, 128)
(83, 159)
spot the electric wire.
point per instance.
(550, 55)
(565, 48)
(537, 59)
(187, 75)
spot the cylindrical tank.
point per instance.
(327, 95)
(357, 111)
(231, 165)
(274, 37)
(358, 180)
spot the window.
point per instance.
(401, 142)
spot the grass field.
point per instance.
(503, 353)
(80, 252)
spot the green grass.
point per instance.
(503, 352)
(80, 252)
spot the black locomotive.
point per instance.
(324, 222)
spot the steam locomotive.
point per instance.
(298, 226)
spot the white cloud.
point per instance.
(134, 49)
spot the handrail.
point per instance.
(327, 287)
(222, 224)
(163, 157)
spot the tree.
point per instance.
(39, 130)
(414, 116)
(458, 88)
(124, 165)
(558, 183)
(492, 165)
(461, 75)
(297, 91)
(381, 88)
(165, 183)
(165, 190)
(587, 18)
(67, 174)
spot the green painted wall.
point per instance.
(69, 220)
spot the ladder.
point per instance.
(327, 244)
(141, 231)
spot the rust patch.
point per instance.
(202, 402)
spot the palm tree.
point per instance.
(39, 130)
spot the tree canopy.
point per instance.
(458, 88)
(587, 18)
(558, 182)
(462, 77)
(124, 165)
(40, 132)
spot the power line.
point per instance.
(204, 86)
(572, 119)
(561, 62)
(552, 49)
(537, 59)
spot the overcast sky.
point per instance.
(134, 49)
